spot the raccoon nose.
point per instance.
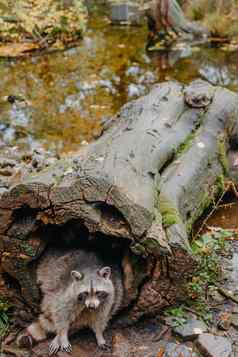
(91, 306)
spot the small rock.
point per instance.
(235, 309)
(136, 90)
(224, 321)
(214, 346)
(120, 346)
(215, 295)
(125, 13)
(133, 71)
(6, 172)
(2, 190)
(15, 352)
(6, 162)
(191, 329)
(170, 349)
(234, 320)
(15, 98)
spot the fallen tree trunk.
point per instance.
(135, 193)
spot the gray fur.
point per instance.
(70, 282)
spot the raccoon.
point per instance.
(78, 291)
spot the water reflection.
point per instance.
(69, 94)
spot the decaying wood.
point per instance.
(140, 186)
(168, 16)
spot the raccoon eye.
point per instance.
(82, 297)
(102, 294)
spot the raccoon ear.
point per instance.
(76, 275)
(105, 272)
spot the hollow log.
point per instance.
(134, 193)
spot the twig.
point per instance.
(217, 229)
(162, 333)
(233, 187)
(227, 294)
(229, 186)
(210, 214)
(227, 205)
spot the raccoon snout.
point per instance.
(92, 304)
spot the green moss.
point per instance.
(189, 139)
(56, 31)
(138, 249)
(222, 155)
(21, 236)
(151, 244)
(220, 183)
(185, 145)
(4, 319)
(206, 202)
(20, 190)
(27, 249)
(170, 214)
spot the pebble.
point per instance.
(191, 329)
(136, 90)
(171, 349)
(120, 346)
(224, 321)
(234, 320)
(127, 13)
(214, 346)
(215, 295)
(6, 172)
(6, 162)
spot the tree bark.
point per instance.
(167, 16)
(138, 189)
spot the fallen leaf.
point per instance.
(17, 49)
(161, 352)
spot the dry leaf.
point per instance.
(17, 49)
(161, 352)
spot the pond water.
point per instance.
(63, 97)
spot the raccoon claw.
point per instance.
(25, 341)
(66, 348)
(105, 347)
(54, 347)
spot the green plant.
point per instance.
(208, 249)
(177, 314)
(219, 17)
(4, 319)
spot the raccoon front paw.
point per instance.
(105, 346)
(54, 346)
(66, 347)
(25, 341)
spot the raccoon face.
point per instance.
(94, 289)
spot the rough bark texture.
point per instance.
(140, 186)
(168, 16)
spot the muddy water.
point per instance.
(226, 216)
(65, 96)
